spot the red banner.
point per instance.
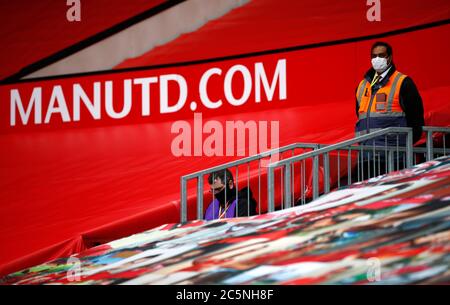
(87, 159)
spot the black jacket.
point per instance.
(246, 204)
(410, 101)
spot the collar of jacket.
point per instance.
(371, 73)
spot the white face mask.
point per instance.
(379, 64)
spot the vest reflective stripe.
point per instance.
(362, 116)
(361, 89)
(393, 91)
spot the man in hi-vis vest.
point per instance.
(386, 98)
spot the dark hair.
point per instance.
(221, 174)
(382, 44)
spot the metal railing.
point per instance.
(362, 162)
(429, 136)
(390, 153)
(382, 159)
(258, 157)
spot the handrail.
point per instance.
(199, 175)
(324, 151)
(429, 131)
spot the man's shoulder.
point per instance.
(407, 81)
(401, 74)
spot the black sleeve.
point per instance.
(242, 208)
(246, 205)
(411, 103)
(356, 103)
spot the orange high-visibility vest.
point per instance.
(382, 109)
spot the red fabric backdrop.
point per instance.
(271, 24)
(33, 30)
(67, 186)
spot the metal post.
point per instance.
(236, 189)
(443, 140)
(386, 160)
(429, 145)
(362, 164)
(200, 197)
(183, 210)
(349, 167)
(315, 177)
(379, 164)
(248, 192)
(339, 169)
(409, 149)
(398, 162)
(303, 182)
(326, 173)
(259, 186)
(391, 161)
(374, 159)
(287, 186)
(293, 179)
(270, 190)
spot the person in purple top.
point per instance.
(226, 203)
